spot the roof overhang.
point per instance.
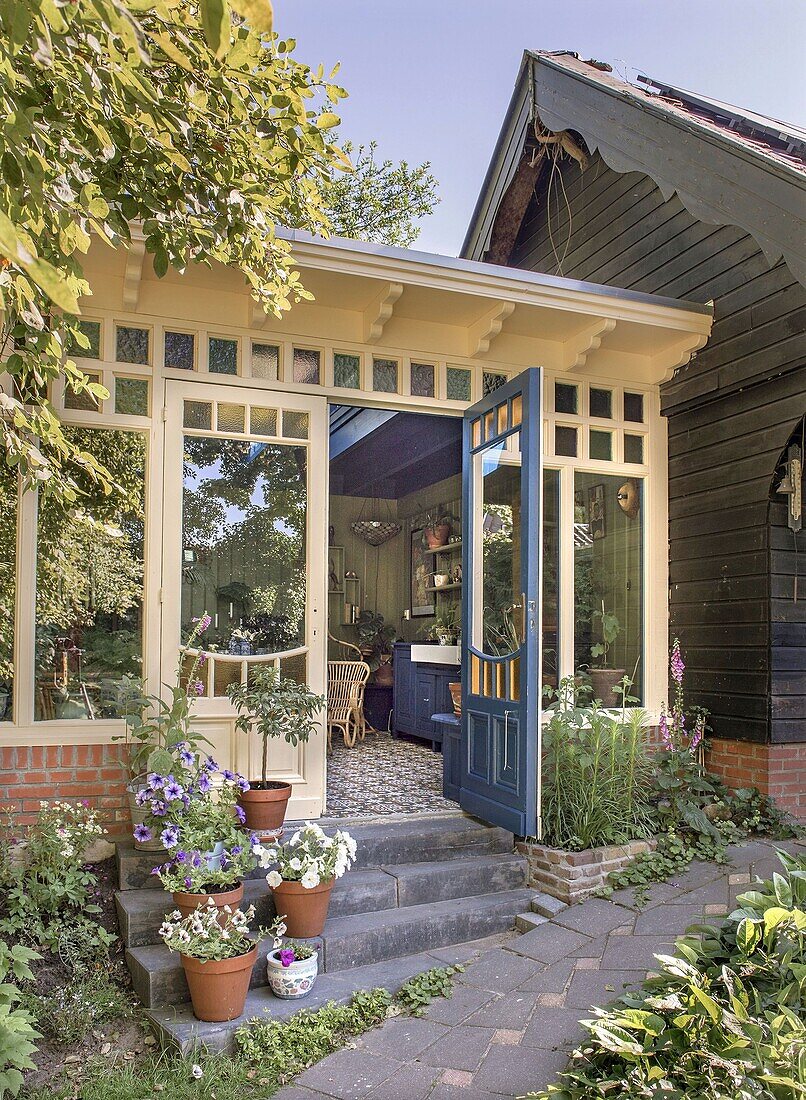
(425, 305)
(718, 178)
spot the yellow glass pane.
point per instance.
(488, 679)
(516, 411)
(502, 418)
(231, 418)
(475, 675)
(489, 425)
(476, 433)
(515, 679)
(500, 678)
(224, 674)
(295, 424)
(295, 668)
(200, 676)
(262, 421)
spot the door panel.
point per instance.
(500, 642)
(245, 535)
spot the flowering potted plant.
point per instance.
(196, 818)
(217, 957)
(158, 731)
(302, 875)
(272, 708)
(292, 969)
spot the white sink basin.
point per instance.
(436, 654)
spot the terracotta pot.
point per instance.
(265, 809)
(304, 911)
(140, 813)
(188, 903)
(604, 682)
(384, 673)
(437, 536)
(218, 987)
(456, 697)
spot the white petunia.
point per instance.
(310, 879)
(274, 878)
(295, 864)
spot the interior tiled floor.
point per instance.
(381, 776)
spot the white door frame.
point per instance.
(303, 767)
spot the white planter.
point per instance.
(296, 980)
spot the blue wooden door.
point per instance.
(501, 525)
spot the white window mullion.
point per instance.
(25, 628)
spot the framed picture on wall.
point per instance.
(422, 601)
(596, 512)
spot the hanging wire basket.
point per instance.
(376, 531)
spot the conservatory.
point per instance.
(287, 477)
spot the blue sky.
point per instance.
(431, 79)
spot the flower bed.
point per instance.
(572, 876)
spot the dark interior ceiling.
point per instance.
(377, 453)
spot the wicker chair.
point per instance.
(345, 700)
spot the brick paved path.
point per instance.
(515, 1011)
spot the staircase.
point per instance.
(418, 885)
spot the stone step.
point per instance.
(471, 876)
(352, 941)
(140, 912)
(176, 1026)
(380, 843)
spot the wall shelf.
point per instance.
(449, 548)
(444, 587)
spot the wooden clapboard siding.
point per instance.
(731, 412)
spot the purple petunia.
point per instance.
(155, 781)
(188, 883)
(240, 815)
(180, 856)
(158, 807)
(287, 956)
(142, 833)
(228, 775)
(204, 783)
(187, 758)
(170, 836)
(173, 790)
(196, 859)
(141, 797)
(210, 764)
(243, 784)
(236, 850)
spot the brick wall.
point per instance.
(777, 770)
(97, 773)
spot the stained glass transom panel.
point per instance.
(306, 366)
(384, 375)
(266, 361)
(131, 396)
(458, 383)
(222, 355)
(180, 350)
(346, 371)
(131, 344)
(422, 379)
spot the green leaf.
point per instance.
(327, 120)
(216, 23)
(257, 13)
(748, 936)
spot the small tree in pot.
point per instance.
(604, 678)
(272, 707)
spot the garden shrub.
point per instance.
(49, 896)
(596, 774)
(724, 1020)
(17, 1032)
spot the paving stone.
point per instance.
(598, 987)
(587, 964)
(552, 979)
(554, 1027)
(502, 970)
(513, 1071)
(462, 1048)
(668, 920)
(411, 1082)
(553, 1000)
(709, 894)
(294, 1093)
(463, 1002)
(461, 953)
(547, 905)
(593, 949)
(635, 952)
(459, 1078)
(548, 943)
(445, 1091)
(506, 1037)
(403, 1037)
(525, 922)
(593, 918)
(348, 1074)
(697, 874)
(511, 1011)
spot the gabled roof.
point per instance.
(728, 166)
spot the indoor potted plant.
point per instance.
(437, 528)
(374, 638)
(272, 707)
(292, 969)
(603, 678)
(196, 818)
(444, 628)
(157, 731)
(302, 875)
(217, 957)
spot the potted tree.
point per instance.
(272, 707)
(302, 875)
(603, 678)
(292, 969)
(196, 818)
(217, 957)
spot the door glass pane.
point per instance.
(551, 576)
(497, 610)
(89, 587)
(8, 588)
(243, 530)
(91, 330)
(608, 583)
(131, 396)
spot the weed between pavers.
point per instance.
(269, 1053)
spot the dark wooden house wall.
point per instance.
(731, 411)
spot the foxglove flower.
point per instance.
(665, 734)
(676, 663)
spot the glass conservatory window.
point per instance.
(459, 382)
(608, 582)
(565, 441)
(131, 396)
(601, 403)
(384, 375)
(306, 366)
(89, 588)
(266, 361)
(566, 398)
(634, 407)
(8, 586)
(422, 379)
(83, 401)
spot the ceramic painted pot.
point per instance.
(304, 911)
(140, 813)
(189, 903)
(265, 809)
(218, 987)
(296, 980)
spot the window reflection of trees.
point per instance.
(500, 628)
(244, 527)
(89, 586)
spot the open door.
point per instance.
(501, 503)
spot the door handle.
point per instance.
(506, 739)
